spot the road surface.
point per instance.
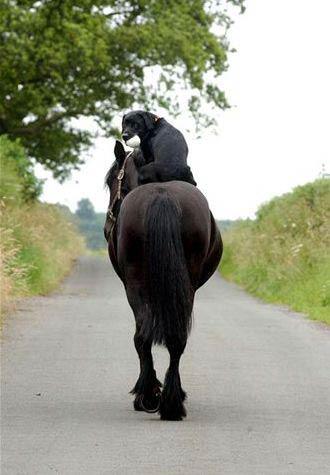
(257, 377)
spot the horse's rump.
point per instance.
(164, 243)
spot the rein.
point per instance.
(112, 218)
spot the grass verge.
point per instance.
(38, 241)
(284, 255)
(38, 247)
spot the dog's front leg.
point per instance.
(148, 174)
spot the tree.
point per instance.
(85, 210)
(90, 224)
(63, 60)
(18, 182)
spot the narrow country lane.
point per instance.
(257, 378)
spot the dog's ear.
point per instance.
(149, 120)
(120, 153)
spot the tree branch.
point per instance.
(120, 12)
(33, 127)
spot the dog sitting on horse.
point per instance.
(160, 149)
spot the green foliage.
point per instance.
(85, 210)
(38, 241)
(90, 224)
(283, 256)
(63, 60)
(17, 180)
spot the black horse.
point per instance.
(164, 244)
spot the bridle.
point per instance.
(110, 216)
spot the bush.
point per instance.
(38, 241)
(283, 256)
(17, 180)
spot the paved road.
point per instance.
(258, 379)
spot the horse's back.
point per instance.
(191, 200)
(200, 237)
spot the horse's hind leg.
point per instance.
(173, 396)
(147, 387)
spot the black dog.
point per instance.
(162, 152)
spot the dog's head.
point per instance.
(137, 123)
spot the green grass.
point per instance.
(284, 255)
(39, 243)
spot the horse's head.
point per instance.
(120, 179)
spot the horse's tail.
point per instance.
(170, 290)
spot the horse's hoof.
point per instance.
(151, 409)
(150, 405)
(137, 403)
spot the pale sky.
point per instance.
(276, 136)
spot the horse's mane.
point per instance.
(114, 169)
(110, 176)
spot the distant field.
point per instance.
(284, 255)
